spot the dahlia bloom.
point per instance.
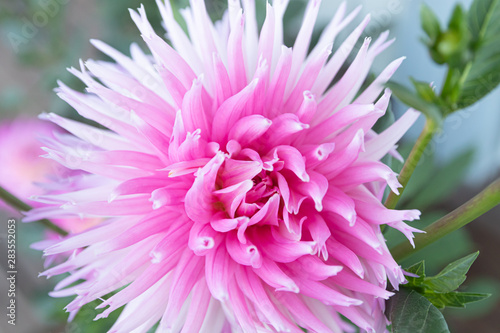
(241, 192)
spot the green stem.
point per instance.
(448, 83)
(16, 203)
(412, 161)
(468, 212)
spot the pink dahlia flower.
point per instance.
(242, 193)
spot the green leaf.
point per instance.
(452, 276)
(430, 23)
(483, 22)
(439, 289)
(417, 269)
(412, 100)
(482, 74)
(454, 299)
(411, 312)
(458, 18)
(424, 90)
(483, 284)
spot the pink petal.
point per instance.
(381, 145)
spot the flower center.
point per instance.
(242, 196)
(247, 197)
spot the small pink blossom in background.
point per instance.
(23, 172)
(21, 165)
(240, 192)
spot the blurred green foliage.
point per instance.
(443, 180)
(119, 30)
(430, 186)
(470, 49)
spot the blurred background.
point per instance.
(39, 39)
